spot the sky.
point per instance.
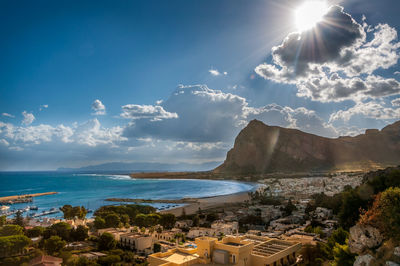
(90, 82)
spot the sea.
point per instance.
(91, 190)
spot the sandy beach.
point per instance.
(209, 203)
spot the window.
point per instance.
(233, 258)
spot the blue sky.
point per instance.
(175, 81)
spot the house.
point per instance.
(246, 250)
(166, 235)
(45, 260)
(183, 224)
(92, 255)
(200, 231)
(174, 257)
(141, 244)
(114, 231)
(225, 228)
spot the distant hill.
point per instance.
(260, 148)
(142, 167)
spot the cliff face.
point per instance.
(261, 149)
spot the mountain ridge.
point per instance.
(260, 148)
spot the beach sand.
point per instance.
(209, 203)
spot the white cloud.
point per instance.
(216, 72)
(335, 61)
(43, 106)
(98, 108)
(396, 102)
(372, 109)
(207, 115)
(397, 73)
(155, 113)
(8, 115)
(4, 142)
(28, 118)
(89, 133)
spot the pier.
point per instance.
(23, 198)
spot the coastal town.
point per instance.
(276, 224)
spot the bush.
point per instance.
(109, 260)
(342, 255)
(385, 213)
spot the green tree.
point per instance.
(19, 220)
(11, 229)
(99, 223)
(3, 220)
(80, 233)
(67, 211)
(61, 229)
(54, 244)
(35, 231)
(106, 242)
(140, 220)
(128, 257)
(196, 220)
(125, 219)
(289, 208)
(152, 219)
(167, 220)
(10, 245)
(350, 209)
(112, 220)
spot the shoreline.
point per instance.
(192, 205)
(210, 202)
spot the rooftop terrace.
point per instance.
(271, 247)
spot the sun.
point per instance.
(309, 14)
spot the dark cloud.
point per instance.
(335, 60)
(320, 44)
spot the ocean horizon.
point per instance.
(91, 189)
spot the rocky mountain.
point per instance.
(260, 148)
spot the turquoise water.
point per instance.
(91, 190)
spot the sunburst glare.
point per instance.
(309, 14)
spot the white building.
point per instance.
(141, 244)
(226, 228)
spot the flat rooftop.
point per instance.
(179, 257)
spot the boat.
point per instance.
(33, 208)
(4, 208)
